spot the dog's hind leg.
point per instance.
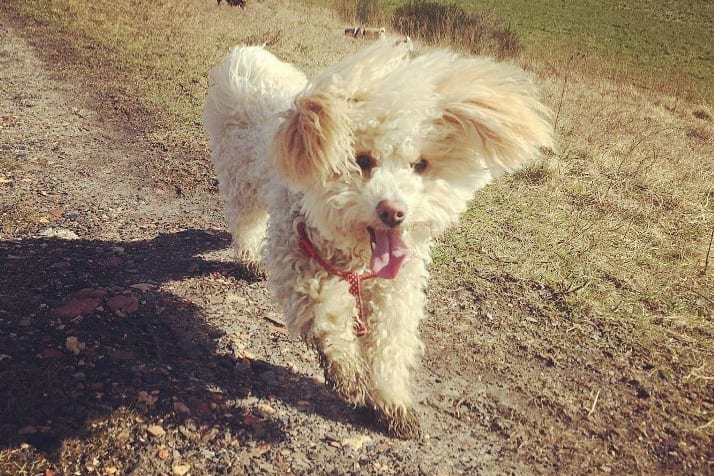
(247, 221)
(248, 232)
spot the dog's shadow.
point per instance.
(126, 345)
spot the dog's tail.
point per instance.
(247, 88)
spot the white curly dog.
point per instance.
(340, 184)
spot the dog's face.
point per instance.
(389, 150)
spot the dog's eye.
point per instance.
(420, 166)
(365, 161)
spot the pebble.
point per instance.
(188, 434)
(123, 304)
(156, 430)
(74, 345)
(356, 442)
(181, 407)
(61, 233)
(181, 469)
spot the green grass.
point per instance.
(665, 44)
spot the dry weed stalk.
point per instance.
(709, 249)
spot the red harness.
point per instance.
(353, 279)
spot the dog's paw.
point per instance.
(253, 268)
(400, 422)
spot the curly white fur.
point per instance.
(420, 134)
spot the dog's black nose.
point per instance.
(391, 212)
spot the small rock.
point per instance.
(163, 454)
(61, 233)
(181, 407)
(265, 408)
(146, 398)
(91, 293)
(210, 435)
(260, 449)
(71, 215)
(123, 436)
(143, 287)
(181, 469)
(156, 430)
(122, 304)
(356, 442)
(74, 345)
(249, 419)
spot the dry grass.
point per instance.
(364, 12)
(437, 24)
(448, 24)
(596, 255)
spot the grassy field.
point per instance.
(660, 44)
(603, 247)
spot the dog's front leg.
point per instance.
(337, 345)
(393, 347)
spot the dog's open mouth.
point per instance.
(388, 252)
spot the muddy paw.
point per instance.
(348, 383)
(400, 422)
(253, 268)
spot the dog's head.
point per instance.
(388, 150)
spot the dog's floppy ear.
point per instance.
(313, 141)
(491, 110)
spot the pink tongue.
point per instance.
(388, 253)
